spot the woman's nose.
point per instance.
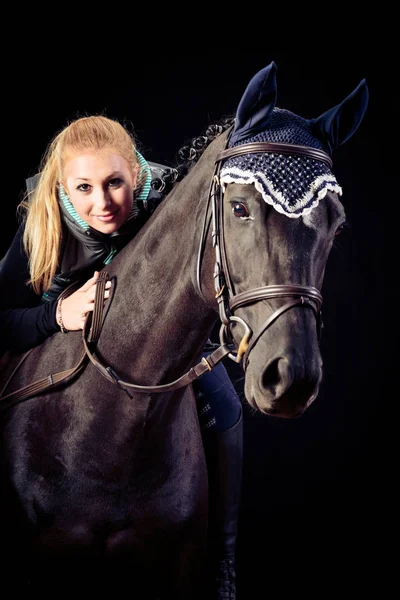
(101, 199)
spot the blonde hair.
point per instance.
(43, 231)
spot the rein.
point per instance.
(228, 301)
(90, 339)
(53, 380)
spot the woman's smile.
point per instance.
(107, 218)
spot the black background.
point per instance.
(315, 490)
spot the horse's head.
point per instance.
(280, 215)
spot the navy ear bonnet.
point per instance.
(293, 185)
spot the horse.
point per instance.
(103, 468)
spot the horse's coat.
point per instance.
(114, 489)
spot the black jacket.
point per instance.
(24, 321)
(26, 318)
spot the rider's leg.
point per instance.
(220, 415)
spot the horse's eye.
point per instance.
(340, 229)
(240, 210)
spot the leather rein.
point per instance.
(228, 301)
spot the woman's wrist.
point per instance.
(59, 317)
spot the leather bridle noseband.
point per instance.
(228, 301)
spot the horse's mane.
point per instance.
(189, 154)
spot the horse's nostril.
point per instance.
(290, 385)
(276, 375)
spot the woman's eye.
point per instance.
(240, 210)
(84, 187)
(115, 182)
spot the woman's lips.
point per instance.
(107, 218)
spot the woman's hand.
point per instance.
(75, 307)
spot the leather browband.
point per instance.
(265, 147)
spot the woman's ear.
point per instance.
(135, 176)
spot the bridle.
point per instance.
(228, 301)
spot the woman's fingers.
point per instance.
(92, 295)
(90, 282)
(76, 307)
(89, 288)
(90, 305)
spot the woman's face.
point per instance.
(100, 187)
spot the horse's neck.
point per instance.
(158, 321)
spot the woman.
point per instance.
(82, 211)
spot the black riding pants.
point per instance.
(218, 404)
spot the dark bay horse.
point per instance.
(104, 481)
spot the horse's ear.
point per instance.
(257, 103)
(337, 125)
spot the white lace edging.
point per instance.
(271, 196)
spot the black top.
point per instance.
(26, 318)
(25, 322)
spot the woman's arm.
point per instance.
(24, 322)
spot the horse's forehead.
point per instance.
(293, 185)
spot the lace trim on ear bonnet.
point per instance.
(293, 185)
